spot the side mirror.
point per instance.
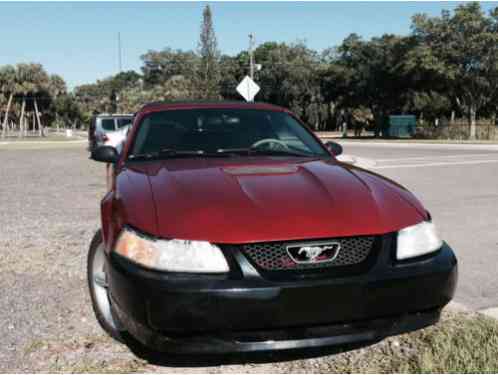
(334, 148)
(106, 154)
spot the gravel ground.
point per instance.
(49, 199)
(49, 212)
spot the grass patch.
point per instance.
(459, 345)
(34, 346)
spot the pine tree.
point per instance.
(209, 70)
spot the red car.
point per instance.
(230, 227)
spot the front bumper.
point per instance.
(247, 312)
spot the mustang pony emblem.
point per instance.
(314, 253)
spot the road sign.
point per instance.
(248, 88)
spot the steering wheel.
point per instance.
(271, 141)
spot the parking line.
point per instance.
(463, 156)
(439, 164)
(408, 145)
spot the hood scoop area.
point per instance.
(260, 169)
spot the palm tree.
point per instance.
(24, 86)
(7, 87)
(32, 83)
(58, 89)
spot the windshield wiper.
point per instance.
(144, 156)
(179, 153)
(171, 153)
(256, 151)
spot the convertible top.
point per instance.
(158, 106)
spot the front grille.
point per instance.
(273, 256)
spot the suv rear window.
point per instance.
(123, 122)
(108, 124)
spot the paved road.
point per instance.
(459, 186)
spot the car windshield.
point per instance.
(227, 132)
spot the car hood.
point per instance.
(263, 199)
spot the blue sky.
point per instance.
(79, 40)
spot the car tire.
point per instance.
(97, 286)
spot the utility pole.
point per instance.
(119, 52)
(115, 95)
(251, 55)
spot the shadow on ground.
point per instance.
(204, 360)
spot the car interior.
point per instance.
(212, 130)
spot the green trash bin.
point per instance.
(402, 126)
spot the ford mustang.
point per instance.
(230, 227)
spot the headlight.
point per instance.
(171, 255)
(417, 240)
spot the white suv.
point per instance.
(103, 124)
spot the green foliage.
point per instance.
(447, 67)
(32, 88)
(7, 79)
(105, 95)
(463, 49)
(209, 72)
(175, 87)
(159, 66)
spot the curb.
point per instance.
(491, 312)
(357, 161)
(459, 307)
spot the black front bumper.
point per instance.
(246, 312)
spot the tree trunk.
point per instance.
(40, 126)
(452, 121)
(378, 122)
(344, 127)
(4, 126)
(472, 121)
(21, 120)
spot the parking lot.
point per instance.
(49, 199)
